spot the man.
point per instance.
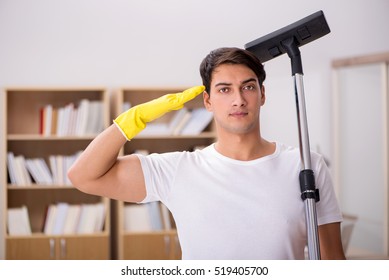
(236, 199)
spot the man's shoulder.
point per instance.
(176, 155)
(292, 151)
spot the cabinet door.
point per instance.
(83, 248)
(150, 247)
(51, 248)
(26, 248)
(176, 253)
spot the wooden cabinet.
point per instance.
(159, 244)
(24, 134)
(42, 247)
(151, 246)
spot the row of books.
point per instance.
(26, 171)
(152, 216)
(61, 218)
(18, 221)
(183, 122)
(84, 119)
(64, 218)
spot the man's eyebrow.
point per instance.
(223, 84)
(249, 80)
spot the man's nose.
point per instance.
(239, 99)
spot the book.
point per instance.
(59, 170)
(167, 224)
(41, 120)
(48, 178)
(50, 219)
(47, 118)
(199, 120)
(54, 122)
(22, 175)
(182, 123)
(72, 219)
(155, 215)
(18, 222)
(33, 170)
(99, 127)
(176, 119)
(11, 165)
(91, 219)
(60, 218)
(155, 128)
(137, 218)
(100, 217)
(82, 117)
(142, 152)
(86, 222)
(126, 105)
(73, 115)
(60, 121)
(95, 122)
(67, 115)
(39, 171)
(53, 168)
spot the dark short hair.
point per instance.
(230, 56)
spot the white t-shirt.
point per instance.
(232, 209)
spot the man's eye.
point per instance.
(223, 90)
(249, 87)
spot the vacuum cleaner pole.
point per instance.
(307, 181)
(287, 40)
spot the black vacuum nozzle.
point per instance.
(301, 32)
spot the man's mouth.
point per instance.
(238, 114)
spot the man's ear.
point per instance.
(263, 96)
(207, 101)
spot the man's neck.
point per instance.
(244, 146)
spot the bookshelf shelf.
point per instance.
(162, 243)
(38, 137)
(151, 233)
(39, 187)
(32, 132)
(39, 235)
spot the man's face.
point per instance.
(235, 98)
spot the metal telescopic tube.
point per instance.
(313, 237)
(305, 155)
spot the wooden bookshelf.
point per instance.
(153, 244)
(22, 112)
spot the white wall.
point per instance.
(121, 43)
(117, 43)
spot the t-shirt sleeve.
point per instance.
(159, 171)
(328, 210)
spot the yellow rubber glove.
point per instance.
(134, 120)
